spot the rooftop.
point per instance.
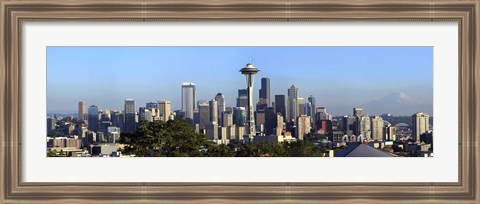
(361, 150)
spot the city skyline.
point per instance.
(102, 76)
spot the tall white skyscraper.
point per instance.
(82, 110)
(300, 107)
(292, 103)
(213, 111)
(130, 121)
(420, 124)
(377, 128)
(303, 126)
(220, 107)
(188, 99)
(364, 126)
(164, 109)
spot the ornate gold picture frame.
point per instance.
(15, 12)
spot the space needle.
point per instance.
(249, 71)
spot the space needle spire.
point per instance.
(249, 71)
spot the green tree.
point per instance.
(175, 138)
(302, 148)
(52, 153)
(261, 149)
(214, 150)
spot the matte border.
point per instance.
(14, 12)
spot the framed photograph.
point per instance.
(233, 101)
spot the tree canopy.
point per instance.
(177, 138)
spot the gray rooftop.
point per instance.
(362, 150)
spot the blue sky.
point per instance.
(339, 77)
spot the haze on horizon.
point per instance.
(340, 78)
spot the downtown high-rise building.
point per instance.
(188, 99)
(164, 109)
(310, 108)
(390, 133)
(348, 124)
(280, 106)
(292, 103)
(227, 119)
(363, 126)
(203, 114)
(51, 121)
(148, 115)
(221, 107)
(151, 105)
(118, 120)
(242, 99)
(301, 107)
(420, 125)
(303, 126)
(358, 112)
(377, 128)
(130, 125)
(264, 93)
(141, 113)
(320, 116)
(240, 116)
(82, 110)
(271, 121)
(93, 118)
(213, 111)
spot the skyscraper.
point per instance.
(348, 124)
(377, 128)
(118, 120)
(420, 124)
(220, 107)
(303, 126)
(141, 113)
(227, 119)
(293, 92)
(51, 125)
(242, 99)
(301, 106)
(213, 111)
(364, 126)
(212, 131)
(164, 109)
(151, 105)
(358, 112)
(279, 128)
(249, 71)
(322, 115)
(240, 116)
(148, 115)
(390, 133)
(311, 108)
(130, 122)
(188, 99)
(262, 104)
(93, 118)
(203, 114)
(280, 105)
(270, 121)
(81, 110)
(264, 91)
(292, 103)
